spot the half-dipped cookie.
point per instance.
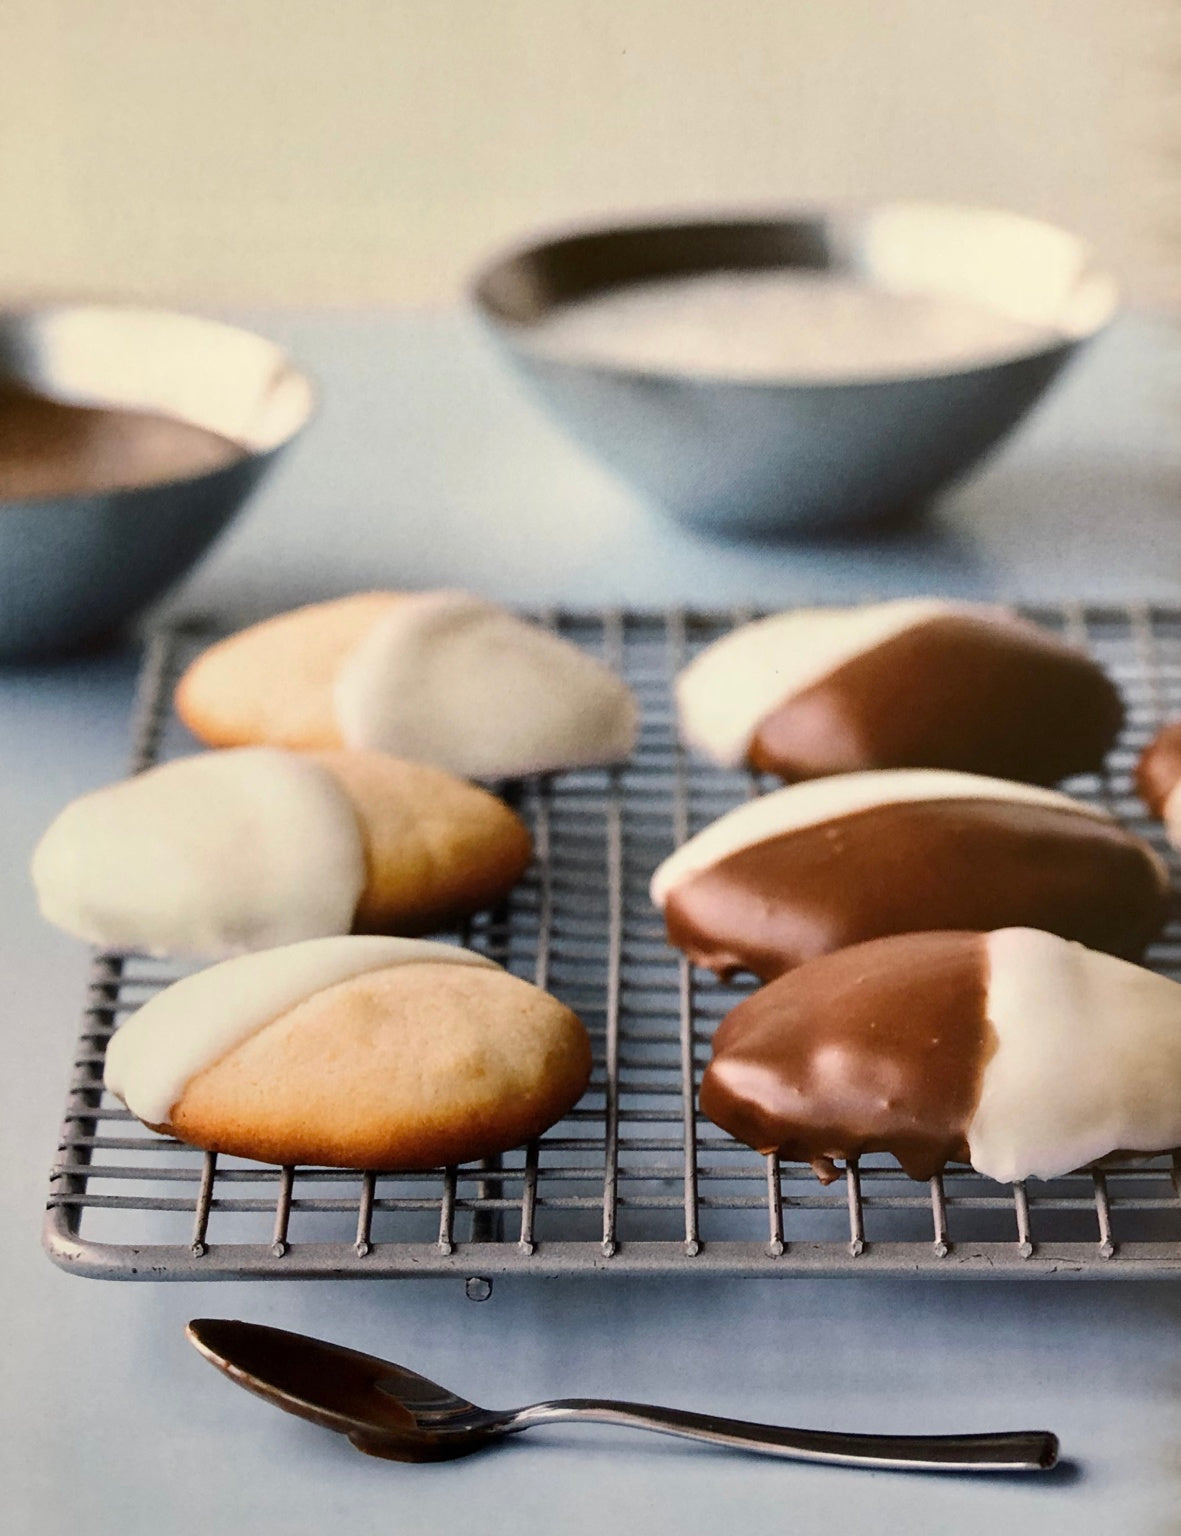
(817, 866)
(917, 683)
(437, 677)
(352, 1052)
(1158, 778)
(254, 846)
(1016, 1051)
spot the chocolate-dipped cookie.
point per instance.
(436, 677)
(817, 866)
(254, 846)
(352, 1052)
(1158, 778)
(1016, 1051)
(909, 684)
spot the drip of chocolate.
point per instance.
(958, 691)
(880, 1048)
(51, 449)
(909, 866)
(1159, 769)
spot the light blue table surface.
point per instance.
(427, 466)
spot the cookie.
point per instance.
(254, 846)
(908, 684)
(436, 848)
(1158, 775)
(817, 866)
(1016, 1051)
(353, 1052)
(271, 684)
(437, 677)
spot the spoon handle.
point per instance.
(1020, 1451)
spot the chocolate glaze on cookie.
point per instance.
(914, 683)
(956, 692)
(1159, 770)
(968, 853)
(1016, 1051)
(876, 1049)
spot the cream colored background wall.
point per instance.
(361, 152)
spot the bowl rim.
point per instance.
(521, 335)
(285, 365)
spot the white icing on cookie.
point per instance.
(818, 800)
(726, 692)
(449, 679)
(226, 851)
(1087, 1062)
(197, 1021)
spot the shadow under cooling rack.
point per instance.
(632, 1181)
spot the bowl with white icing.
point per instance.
(810, 371)
(129, 437)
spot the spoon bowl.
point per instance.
(384, 1409)
(391, 1412)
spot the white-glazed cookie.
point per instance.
(1016, 1051)
(438, 677)
(352, 1052)
(916, 683)
(254, 847)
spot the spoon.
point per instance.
(386, 1410)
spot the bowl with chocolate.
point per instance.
(129, 437)
(796, 373)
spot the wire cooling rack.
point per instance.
(633, 1180)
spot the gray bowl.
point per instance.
(741, 456)
(74, 568)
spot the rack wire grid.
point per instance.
(633, 1180)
